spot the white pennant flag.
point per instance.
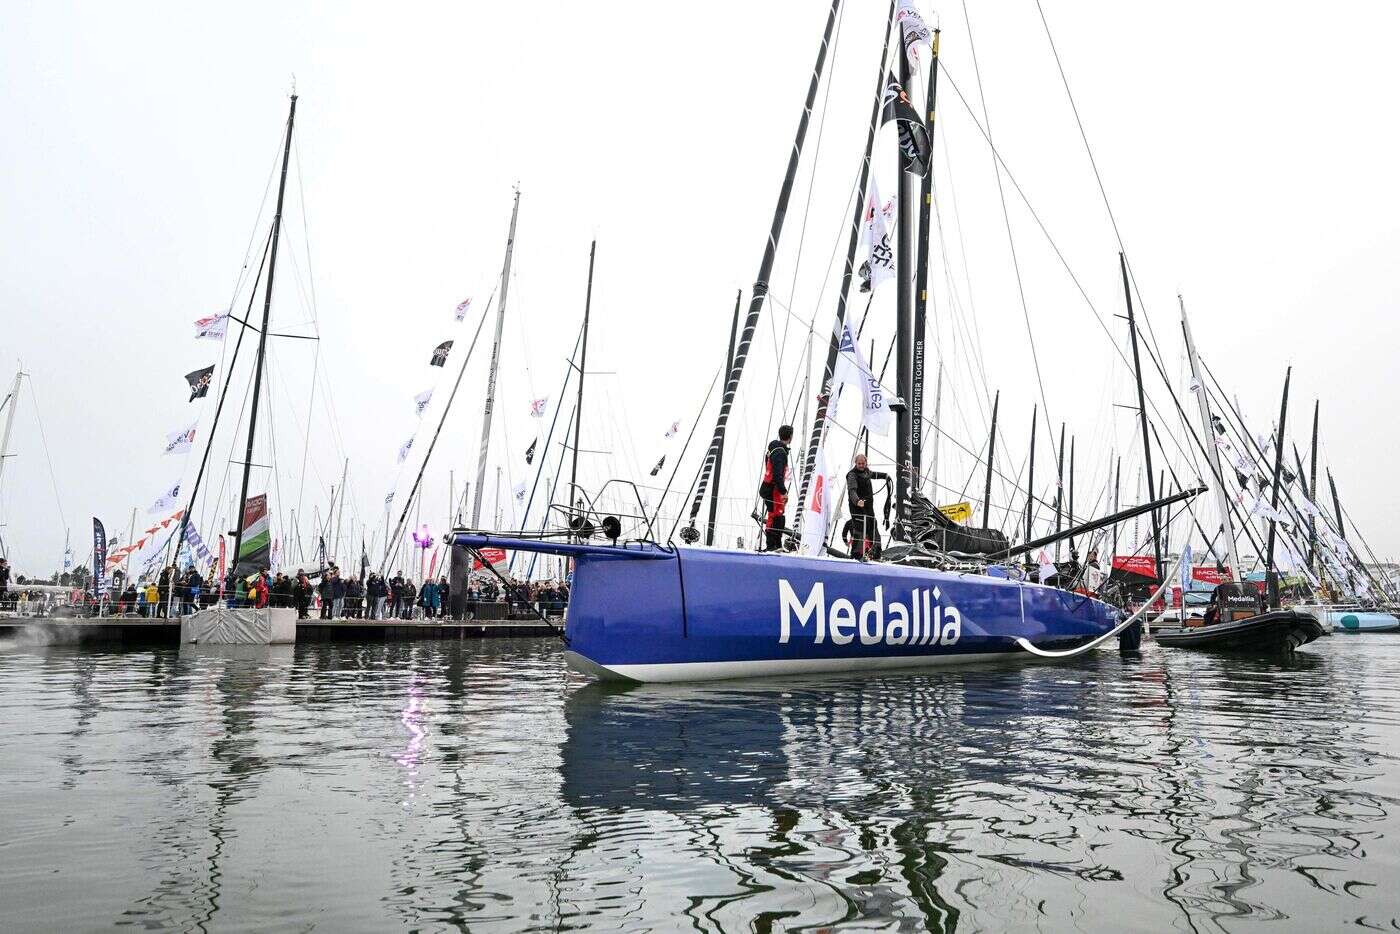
(211, 328)
(167, 501)
(178, 441)
(879, 264)
(673, 430)
(852, 369)
(420, 402)
(520, 492)
(403, 450)
(462, 309)
(816, 518)
(913, 27)
(538, 406)
(1047, 566)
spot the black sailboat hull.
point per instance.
(1275, 631)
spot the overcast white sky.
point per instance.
(1247, 149)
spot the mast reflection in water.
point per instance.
(479, 785)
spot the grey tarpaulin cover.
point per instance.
(221, 626)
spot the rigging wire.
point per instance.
(1006, 218)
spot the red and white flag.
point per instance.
(538, 406)
(462, 309)
(211, 328)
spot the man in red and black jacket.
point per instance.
(774, 489)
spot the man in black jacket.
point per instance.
(774, 489)
(860, 494)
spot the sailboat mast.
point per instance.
(904, 318)
(1269, 580)
(719, 452)
(1030, 479)
(495, 362)
(9, 423)
(937, 430)
(262, 338)
(833, 349)
(765, 269)
(1222, 499)
(916, 399)
(991, 459)
(582, 369)
(1059, 487)
(1142, 413)
(1312, 493)
(1069, 520)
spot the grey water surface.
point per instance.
(479, 786)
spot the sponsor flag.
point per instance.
(520, 492)
(276, 563)
(197, 545)
(851, 368)
(211, 328)
(915, 31)
(530, 451)
(462, 308)
(199, 382)
(537, 407)
(256, 547)
(99, 555)
(494, 555)
(167, 501)
(179, 441)
(673, 430)
(420, 402)
(1185, 570)
(914, 145)
(403, 456)
(879, 263)
(817, 516)
(659, 464)
(958, 512)
(440, 354)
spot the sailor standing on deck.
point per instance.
(774, 489)
(860, 494)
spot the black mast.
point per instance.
(262, 337)
(719, 452)
(1074, 555)
(582, 368)
(1030, 478)
(765, 269)
(1336, 505)
(1312, 493)
(1060, 485)
(1270, 581)
(904, 317)
(852, 244)
(1142, 414)
(219, 407)
(991, 457)
(1117, 485)
(916, 399)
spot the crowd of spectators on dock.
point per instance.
(330, 595)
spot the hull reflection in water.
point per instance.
(651, 614)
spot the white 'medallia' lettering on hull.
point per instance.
(931, 622)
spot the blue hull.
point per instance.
(647, 614)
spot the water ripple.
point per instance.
(450, 785)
